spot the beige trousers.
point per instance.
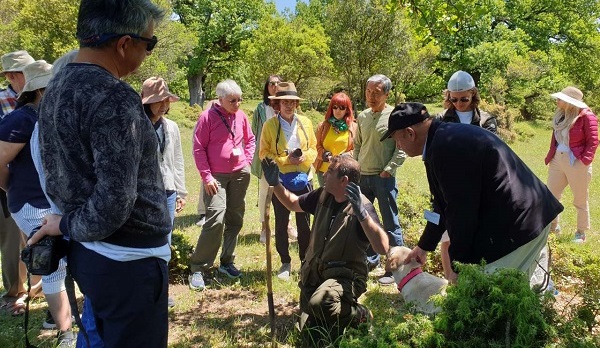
(578, 176)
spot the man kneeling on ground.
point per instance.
(334, 272)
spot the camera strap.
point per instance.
(26, 316)
(70, 286)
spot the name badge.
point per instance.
(432, 217)
(236, 152)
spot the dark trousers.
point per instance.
(282, 219)
(129, 299)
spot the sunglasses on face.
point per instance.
(462, 100)
(273, 83)
(150, 43)
(96, 40)
(341, 107)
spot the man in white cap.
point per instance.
(12, 240)
(461, 103)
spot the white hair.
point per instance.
(228, 87)
(64, 60)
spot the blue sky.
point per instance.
(282, 4)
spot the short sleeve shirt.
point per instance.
(23, 182)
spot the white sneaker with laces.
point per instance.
(196, 281)
(284, 271)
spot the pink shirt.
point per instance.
(216, 150)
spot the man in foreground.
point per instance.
(100, 159)
(491, 203)
(334, 272)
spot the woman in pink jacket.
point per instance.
(572, 149)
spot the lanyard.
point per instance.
(162, 141)
(232, 132)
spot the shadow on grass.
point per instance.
(243, 322)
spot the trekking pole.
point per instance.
(267, 226)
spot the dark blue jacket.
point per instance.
(490, 202)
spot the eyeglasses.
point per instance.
(462, 100)
(341, 107)
(97, 40)
(273, 83)
(150, 43)
(235, 101)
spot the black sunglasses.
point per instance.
(341, 107)
(150, 43)
(97, 40)
(463, 100)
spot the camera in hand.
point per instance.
(42, 257)
(297, 152)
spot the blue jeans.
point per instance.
(385, 191)
(171, 205)
(87, 319)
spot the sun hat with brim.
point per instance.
(405, 115)
(155, 90)
(15, 61)
(572, 96)
(37, 75)
(461, 81)
(286, 90)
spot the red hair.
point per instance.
(341, 99)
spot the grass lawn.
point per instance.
(234, 313)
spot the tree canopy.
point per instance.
(518, 51)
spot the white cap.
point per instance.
(461, 81)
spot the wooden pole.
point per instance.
(267, 226)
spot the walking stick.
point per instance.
(269, 265)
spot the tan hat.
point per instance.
(155, 90)
(572, 96)
(37, 75)
(286, 90)
(15, 61)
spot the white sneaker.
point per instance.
(201, 221)
(292, 233)
(170, 302)
(284, 271)
(196, 281)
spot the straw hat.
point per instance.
(286, 90)
(572, 96)
(461, 81)
(155, 90)
(37, 75)
(15, 61)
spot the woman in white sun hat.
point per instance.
(27, 202)
(572, 148)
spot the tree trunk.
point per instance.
(195, 87)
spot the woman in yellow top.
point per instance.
(335, 135)
(290, 141)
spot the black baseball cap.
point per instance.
(405, 115)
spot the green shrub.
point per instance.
(492, 310)
(179, 266)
